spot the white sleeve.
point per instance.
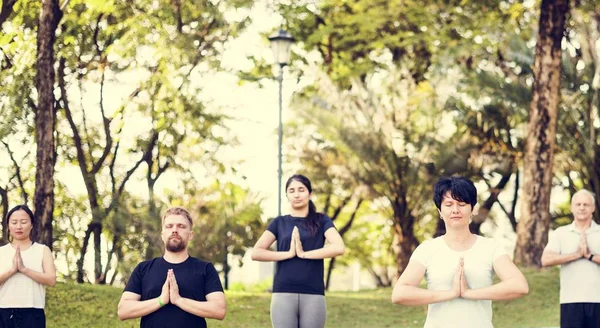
(422, 253)
(499, 250)
(553, 242)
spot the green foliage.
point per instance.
(228, 222)
(355, 38)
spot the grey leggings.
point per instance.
(290, 310)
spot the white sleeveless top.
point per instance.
(20, 291)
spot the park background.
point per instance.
(113, 111)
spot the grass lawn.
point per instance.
(87, 306)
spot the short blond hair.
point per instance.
(178, 210)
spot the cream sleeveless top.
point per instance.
(20, 291)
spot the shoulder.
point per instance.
(565, 228)
(560, 231)
(429, 246)
(42, 247)
(278, 219)
(323, 218)
(431, 243)
(487, 241)
(199, 264)
(143, 267)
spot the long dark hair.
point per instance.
(312, 220)
(34, 227)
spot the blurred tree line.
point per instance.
(396, 94)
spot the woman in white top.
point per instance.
(24, 278)
(458, 266)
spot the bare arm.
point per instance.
(5, 275)
(131, 307)
(261, 251)
(550, 258)
(14, 269)
(214, 307)
(48, 276)
(334, 247)
(512, 283)
(407, 292)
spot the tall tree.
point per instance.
(532, 229)
(45, 119)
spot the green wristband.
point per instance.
(160, 302)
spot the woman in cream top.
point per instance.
(458, 266)
(23, 279)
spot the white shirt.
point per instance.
(441, 264)
(579, 279)
(20, 291)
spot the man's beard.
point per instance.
(175, 245)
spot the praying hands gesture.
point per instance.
(460, 288)
(298, 243)
(292, 251)
(584, 250)
(173, 288)
(170, 290)
(18, 265)
(165, 296)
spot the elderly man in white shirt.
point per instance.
(574, 248)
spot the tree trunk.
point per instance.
(486, 207)
(329, 271)
(97, 252)
(84, 247)
(153, 223)
(405, 242)
(533, 226)
(4, 199)
(342, 232)
(45, 120)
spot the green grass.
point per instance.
(87, 306)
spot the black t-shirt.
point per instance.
(195, 279)
(296, 275)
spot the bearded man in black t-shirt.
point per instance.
(175, 290)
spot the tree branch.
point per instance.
(18, 174)
(7, 10)
(106, 122)
(338, 209)
(76, 136)
(348, 224)
(4, 202)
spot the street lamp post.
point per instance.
(281, 43)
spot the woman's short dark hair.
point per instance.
(460, 188)
(24, 208)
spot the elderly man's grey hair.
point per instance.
(586, 192)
